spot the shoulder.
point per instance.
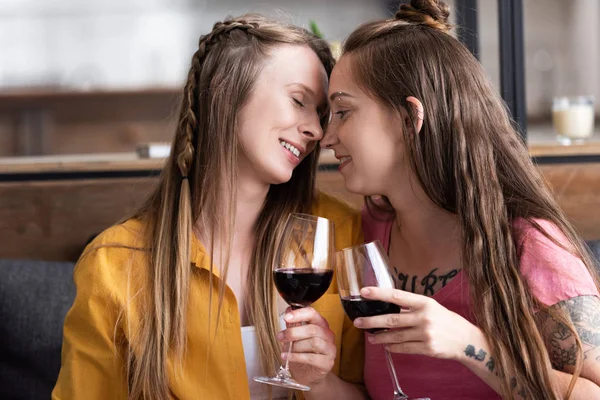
(346, 219)
(549, 264)
(128, 233)
(335, 209)
(112, 258)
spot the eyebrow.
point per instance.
(339, 94)
(303, 86)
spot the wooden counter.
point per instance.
(51, 206)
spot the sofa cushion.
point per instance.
(34, 299)
(595, 248)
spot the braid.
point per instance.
(188, 122)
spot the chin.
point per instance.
(278, 177)
(353, 187)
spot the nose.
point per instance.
(330, 138)
(312, 129)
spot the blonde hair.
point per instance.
(199, 182)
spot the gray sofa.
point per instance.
(34, 299)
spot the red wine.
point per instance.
(300, 287)
(359, 307)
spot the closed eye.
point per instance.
(298, 102)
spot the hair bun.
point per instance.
(432, 13)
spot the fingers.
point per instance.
(302, 332)
(318, 361)
(396, 336)
(315, 345)
(407, 348)
(395, 296)
(388, 321)
(307, 315)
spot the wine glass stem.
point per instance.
(287, 359)
(398, 393)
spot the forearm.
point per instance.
(482, 364)
(476, 356)
(584, 388)
(333, 387)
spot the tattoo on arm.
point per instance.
(491, 365)
(584, 312)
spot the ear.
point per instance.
(417, 110)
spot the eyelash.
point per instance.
(298, 102)
(341, 113)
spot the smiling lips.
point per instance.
(344, 160)
(293, 149)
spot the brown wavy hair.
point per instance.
(470, 161)
(198, 183)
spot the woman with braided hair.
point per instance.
(499, 295)
(178, 301)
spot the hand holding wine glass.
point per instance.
(367, 266)
(423, 329)
(314, 351)
(302, 271)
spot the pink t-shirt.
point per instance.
(553, 275)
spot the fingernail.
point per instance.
(284, 356)
(288, 317)
(358, 322)
(280, 336)
(365, 292)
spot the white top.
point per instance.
(259, 391)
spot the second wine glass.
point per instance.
(302, 271)
(358, 267)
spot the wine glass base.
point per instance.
(410, 398)
(283, 382)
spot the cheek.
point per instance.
(377, 158)
(277, 112)
(269, 113)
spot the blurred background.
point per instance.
(89, 90)
(100, 76)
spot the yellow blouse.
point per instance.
(97, 329)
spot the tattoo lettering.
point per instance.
(404, 279)
(470, 351)
(481, 355)
(448, 277)
(431, 283)
(584, 312)
(491, 364)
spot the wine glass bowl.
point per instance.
(302, 273)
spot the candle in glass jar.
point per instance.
(573, 118)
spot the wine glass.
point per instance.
(358, 267)
(302, 271)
